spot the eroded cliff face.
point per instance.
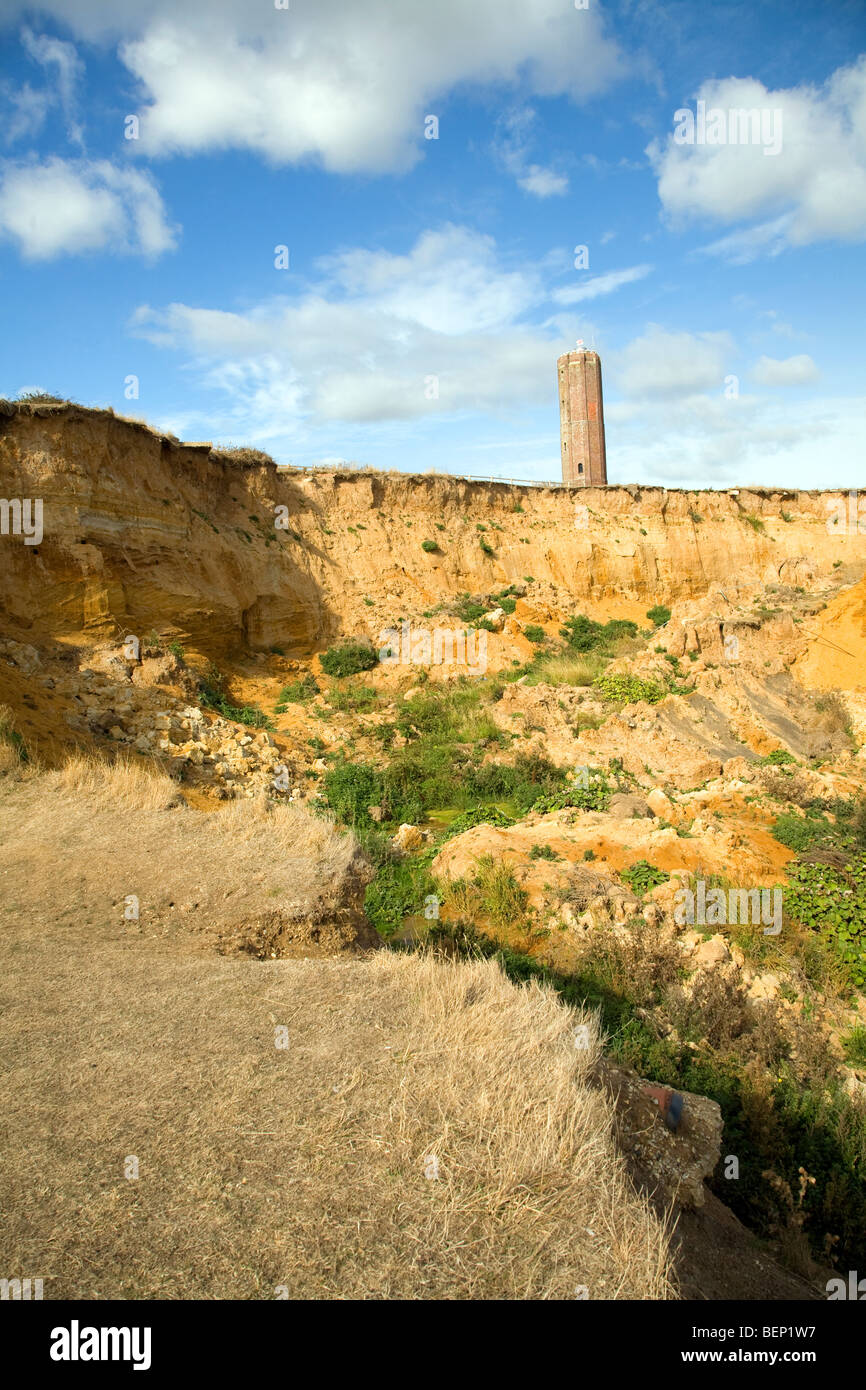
(142, 532)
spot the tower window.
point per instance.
(580, 468)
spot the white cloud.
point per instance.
(26, 112)
(812, 189)
(512, 148)
(789, 371)
(451, 282)
(61, 58)
(661, 363)
(543, 183)
(600, 284)
(62, 207)
(375, 340)
(343, 83)
(714, 442)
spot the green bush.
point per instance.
(398, 890)
(430, 547)
(348, 658)
(659, 615)
(777, 758)
(643, 876)
(583, 634)
(478, 815)
(298, 692)
(801, 833)
(832, 901)
(349, 789)
(628, 689)
(533, 633)
(595, 796)
(467, 609)
(354, 698)
(854, 1044)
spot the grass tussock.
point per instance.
(493, 894)
(494, 1088)
(123, 783)
(13, 751)
(568, 669)
(280, 828)
(429, 1133)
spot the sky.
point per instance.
(364, 230)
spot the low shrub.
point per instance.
(349, 658)
(659, 615)
(628, 689)
(583, 634)
(298, 692)
(643, 876)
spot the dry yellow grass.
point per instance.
(10, 752)
(429, 1131)
(266, 830)
(308, 1168)
(571, 670)
(110, 785)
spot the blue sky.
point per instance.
(432, 282)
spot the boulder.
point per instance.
(407, 838)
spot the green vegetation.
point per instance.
(591, 794)
(628, 689)
(777, 758)
(479, 815)
(354, 698)
(350, 790)
(543, 852)
(754, 521)
(297, 692)
(832, 902)
(213, 695)
(486, 547)
(430, 547)
(826, 890)
(643, 876)
(10, 735)
(468, 610)
(442, 764)
(401, 884)
(492, 894)
(775, 1121)
(855, 1046)
(659, 615)
(348, 658)
(583, 634)
(533, 633)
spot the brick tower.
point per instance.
(581, 419)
